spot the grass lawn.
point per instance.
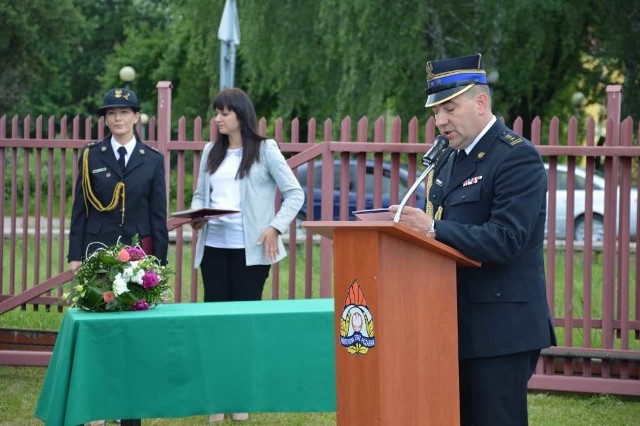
(20, 388)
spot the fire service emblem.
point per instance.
(356, 324)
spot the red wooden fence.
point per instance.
(593, 289)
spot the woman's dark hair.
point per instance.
(238, 101)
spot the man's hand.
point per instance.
(413, 218)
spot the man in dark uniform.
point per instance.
(488, 200)
(120, 191)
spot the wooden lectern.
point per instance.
(395, 324)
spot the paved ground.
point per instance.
(44, 227)
(187, 235)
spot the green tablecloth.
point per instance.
(180, 360)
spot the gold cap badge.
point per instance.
(119, 94)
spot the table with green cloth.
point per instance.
(187, 359)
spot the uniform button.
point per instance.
(464, 196)
(498, 294)
(119, 225)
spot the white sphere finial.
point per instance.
(493, 77)
(577, 99)
(127, 74)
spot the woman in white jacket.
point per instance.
(241, 171)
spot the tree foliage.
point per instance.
(143, 45)
(612, 42)
(323, 59)
(37, 43)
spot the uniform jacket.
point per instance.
(258, 192)
(494, 211)
(145, 201)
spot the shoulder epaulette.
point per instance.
(511, 138)
(92, 144)
(152, 149)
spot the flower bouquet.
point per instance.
(119, 278)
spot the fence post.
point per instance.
(614, 102)
(164, 129)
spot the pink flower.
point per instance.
(140, 305)
(108, 296)
(135, 253)
(123, 255)
(150, 279)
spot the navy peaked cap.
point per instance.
(451, 77)
(119, 98)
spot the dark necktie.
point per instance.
(122, 151)
(459, 157)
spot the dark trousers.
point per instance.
(227, 278)
(493, 391)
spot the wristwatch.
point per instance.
(431, 233)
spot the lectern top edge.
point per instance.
(327, 229)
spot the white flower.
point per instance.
(127, 273)
(119, 285)
(132, 273)
(137, 278)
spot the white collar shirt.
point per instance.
(129, 146)
(480, 135)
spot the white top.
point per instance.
(226, 231)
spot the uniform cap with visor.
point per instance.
(449, 78)
(119, 98)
